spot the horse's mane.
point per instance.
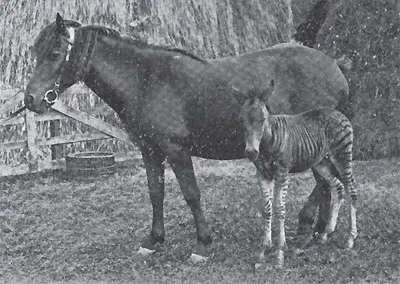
(45, 40)
(138, 43)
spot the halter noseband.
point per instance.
(51, 96)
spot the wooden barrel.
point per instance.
(90, 164)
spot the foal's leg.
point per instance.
(280, 193)
(181, 163)
(267, 188)
(346, 176)
(154, 163)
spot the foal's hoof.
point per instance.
(145, 251)
(322, 239)
(349, 244)
(195, 258)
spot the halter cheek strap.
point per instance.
(52, 95)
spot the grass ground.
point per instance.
(55, 229)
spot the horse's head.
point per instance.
(53, 72)
(253, 117)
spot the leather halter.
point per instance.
(51, 96)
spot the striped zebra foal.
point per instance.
(320, 140)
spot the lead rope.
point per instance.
(15, 113)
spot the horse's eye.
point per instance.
(54, 55)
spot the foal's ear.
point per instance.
(238, 95)
(264, 95)
(60, 25)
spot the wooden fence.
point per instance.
(102, 130)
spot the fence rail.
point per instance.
(31, 142)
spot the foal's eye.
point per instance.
(54, 55)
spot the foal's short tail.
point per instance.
(345, 107)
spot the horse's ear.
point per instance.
(264, 95)
(238, 95)
(60, 25)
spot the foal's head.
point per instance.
(254, 118)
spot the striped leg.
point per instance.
(266, 187)
(280, 197)
(351, 191)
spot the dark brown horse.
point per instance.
(175, 105)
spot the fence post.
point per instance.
(31, 135)
(55, 130)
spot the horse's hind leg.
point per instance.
(329, 173)
(320, 197)
(154, 164)
(181, 163)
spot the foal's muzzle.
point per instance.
(50, 97)
(252, 155)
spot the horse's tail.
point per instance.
(345, 105)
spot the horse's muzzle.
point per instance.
(252, 155)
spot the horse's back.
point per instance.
(305, 78)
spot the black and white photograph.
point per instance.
(199, 141)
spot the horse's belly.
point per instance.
(218, 147)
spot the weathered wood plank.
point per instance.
(12, 145)
(73, 138)
(92, 121)
(11, 121)
(65, 139)
(31, 136)
(55, 131)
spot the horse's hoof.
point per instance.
(145, 251)
(195, 258)
(304, 241)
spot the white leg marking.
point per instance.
(353, 216)
(336, 185)
(145, 251)
(195, 258)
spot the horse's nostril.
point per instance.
(29, 99)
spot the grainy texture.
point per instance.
(368, 31)
(208, 28)
(53, 229)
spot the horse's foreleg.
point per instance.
(181, 164)
(154, 164)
